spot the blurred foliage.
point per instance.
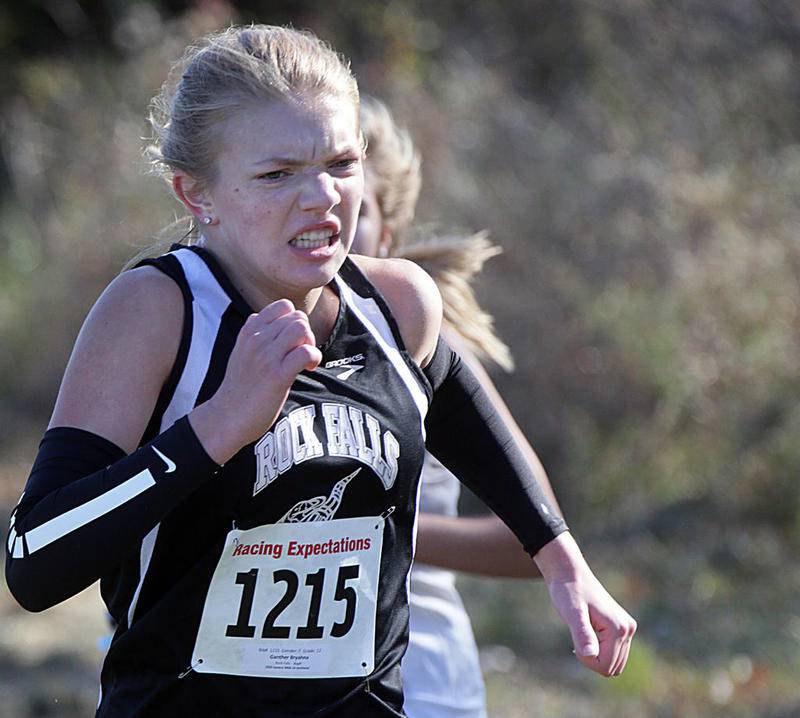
(640, 163)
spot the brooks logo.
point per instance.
(348, 364)
(347, 361)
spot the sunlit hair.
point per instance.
(222, 74)
(393, 168)
(453, 262)
(227, 71)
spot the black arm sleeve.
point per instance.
(465, 432)
(74, 523)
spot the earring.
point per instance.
(207, 220)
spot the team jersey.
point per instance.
(274, 585)
(346, 452)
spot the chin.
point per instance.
(321, 274)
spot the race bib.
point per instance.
(294, 600)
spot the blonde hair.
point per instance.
(453, 262)
(226, 71)
(393, 166)
(218, 76)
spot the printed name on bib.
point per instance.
(349, 432)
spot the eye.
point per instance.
(345, 163)
(274, 175)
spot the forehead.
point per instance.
(305, 129)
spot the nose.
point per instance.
(319, 192)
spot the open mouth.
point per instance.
(313, 240)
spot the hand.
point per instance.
(272, 348)
(601, 629)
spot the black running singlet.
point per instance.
(269, 573)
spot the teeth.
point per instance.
(312, 240)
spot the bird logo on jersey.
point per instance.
(320, 508)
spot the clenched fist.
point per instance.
(272, 348)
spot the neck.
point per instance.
(319, 303)
(258, 297)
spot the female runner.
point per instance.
(237, 440)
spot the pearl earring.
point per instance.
(207, 220)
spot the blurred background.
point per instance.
(638, 160)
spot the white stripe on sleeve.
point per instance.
(74, 519)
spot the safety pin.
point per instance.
(190, 668)
(385, 515)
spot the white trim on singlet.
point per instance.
(206, 318)
(414, 532)
(371, 316)
(208, 306)
(69, 521)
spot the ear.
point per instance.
(193, 194)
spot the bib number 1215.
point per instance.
(293, 601)
(290, 582)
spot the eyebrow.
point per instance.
(294, 162)
(278, 161)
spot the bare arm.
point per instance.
(481, 545)
(122, 357)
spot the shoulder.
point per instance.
(122, 357)
(140, 303)
(413, 299)
(141, 288)
(143, 285)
